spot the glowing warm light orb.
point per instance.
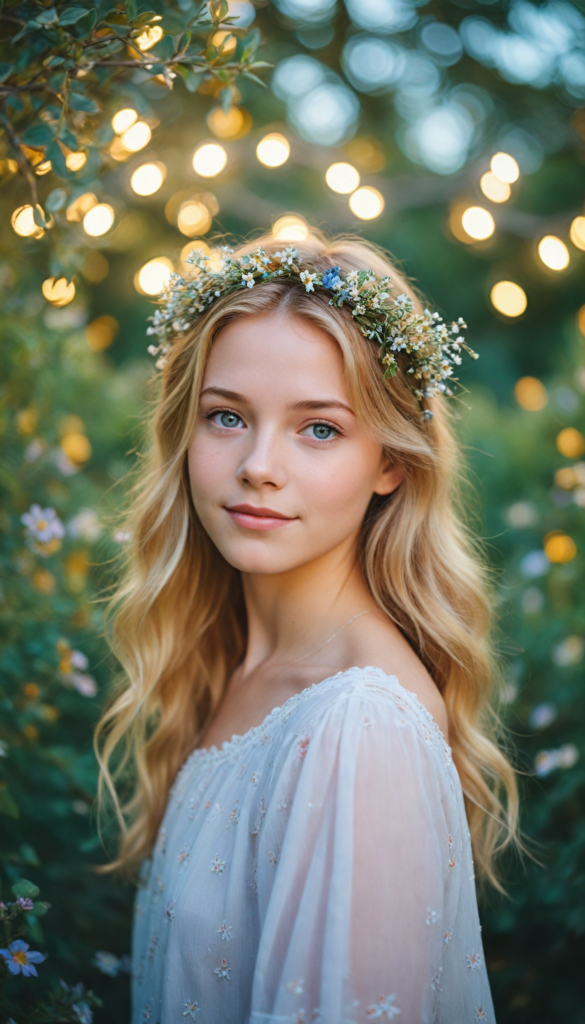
(123, 120)
(44, 168)
(226, 125)
(101, 332)
(505, 168)
(366, 203)
(342, 178)
(147, 179)
(290, 228)
(209, 160)
(478, 223)
(79, 207)
(98, 220)
(581, 320)
(58, 290)
(227, 38)
(153, 276)
(553, 253)
(150, 37)
(136, 137)
(508, 298)
(530, 393)
(273, 150)
(193, 218)
(76, 447)
(493, 188)
(23, 222)
(559, 547)
(578, 232)
(571, 443)
(75, 161)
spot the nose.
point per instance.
(263, 463)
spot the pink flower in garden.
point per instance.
(19, 960)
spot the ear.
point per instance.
(389, 478)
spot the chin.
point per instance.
(255, 560)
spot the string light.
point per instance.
(153, 276)
(209, 160)
(571, 443)
(23, 222)
(123, 120)
(148, 178)
(290, 228)
(553, 253)
(227, 125)
(493, 188)
(58, 291)
(98, 220)
(366, 203)
(101, 332)
(578, 232)
(273, 150)
(79, 207)
(505, 168)
(508, 298)
(136, 137)
(531, 394)
(193, 218)
(478, 223)
(342, 178)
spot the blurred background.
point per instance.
(450, 132)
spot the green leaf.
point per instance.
(5, 70)
(144, 18)
(131, 9)
(72, 15)
(56, 200)
(68, 138)
(47, 18)
(39, 217)
(192, 79)
(25, 889)
(8, 805)
(226, 97)
(40, 909)
(55, 155)
(219, 9)
(165, 49)
(79, 101)
(254, 78)
(38, 134)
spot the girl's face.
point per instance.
(281, 471)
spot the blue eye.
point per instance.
(226, 419)
(322, 431)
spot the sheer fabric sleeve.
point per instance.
(359, 898)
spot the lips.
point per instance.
(257, 517)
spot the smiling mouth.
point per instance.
(254, 517)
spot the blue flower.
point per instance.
(331, 279)
(19, 960)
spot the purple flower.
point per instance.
(19, 960)
(24, 903)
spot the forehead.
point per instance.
(276, 353)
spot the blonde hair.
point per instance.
(177, 620)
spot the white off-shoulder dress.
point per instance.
(317, 869)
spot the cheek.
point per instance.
(342, 486)
(207, 469)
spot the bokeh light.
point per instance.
(101, 332)
(136, 137)
(193, 218)
(226, 39)
(559, 547)
(273, 150)
(45, 168)
(123, 120)
(553, 253)
(75, 161)
(23, 222)
(578, 232)
(530, 393)
(494, 189)
(98, 220)
(229, 124)
(505, 168)
(366, 203)
(508, 298)
(150, 37)
(571, 443)
(148, 178)
(209, 160)
(76, 447)
(581, 320)
(80, 206)
(189, 270)
(342, 177)
(290, 228)
(58, 290)
(153, 276)
(478, 223)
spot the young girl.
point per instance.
(302, 627)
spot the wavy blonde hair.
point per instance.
(177, 621)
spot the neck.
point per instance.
(291, 613)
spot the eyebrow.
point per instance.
(309, 404)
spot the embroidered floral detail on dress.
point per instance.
(282, 806)
(303, 746)
(152, 946)
(170, 911)
(161, 846)
(217, 865)
(255, 777)
(207, 804)
(183, 855)
(296, 986)
(265, 739)
(157, 890)
(147, 1012)
(383, 1007)
(192, 807)
(450, 842)
(273, 858)
(261, 812)
(234, 814)
(242, 770)
(451, 864)
(223, 971)
(435, 983)
(191, 1008)
(473, 960)
(479, 1015)
(225, 931)
(432, 916)
(447, 936)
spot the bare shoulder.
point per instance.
(375, 640)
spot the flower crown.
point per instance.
(432, 348)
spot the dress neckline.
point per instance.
(213, 753)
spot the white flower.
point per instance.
(225, 931)
(352, 278)
(249, 279)
(85, 524)
(223, 971)
(296, 986)
(432, 916)
(307, 280)
(358, 310)
(383, 1007)
(473, 960)
(217, 865)
(288, 255)
(191, 1008)
(43, 524)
